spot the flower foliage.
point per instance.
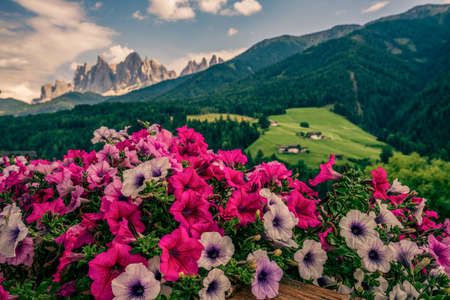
(154, 215)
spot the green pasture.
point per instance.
(344, 137)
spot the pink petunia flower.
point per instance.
(189, 142)
(191, 209)
(304, 209)
(40, 209)
(440, 251)
(24, 254)
(100, 174)
(232, 158)
(380, 183)
(189, 180)
(108, 265)
(243, 206)
(179, 254)
(120, 210)
(326, 173)
(323, 239)
(67, 289)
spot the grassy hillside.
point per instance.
(345, 138)
(216, 117)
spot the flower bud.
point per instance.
(425, 262)
(252, 263)
(277, 252)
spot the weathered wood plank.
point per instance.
(294, 290)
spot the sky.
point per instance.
(44, 40)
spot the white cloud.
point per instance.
(247, 7)
(180, 63)
(14, 62)
(138, 15)
(243, 7)
(97, 5)
(56, 35)
(232, 31)
(171, 10)
(116, 54)
(74, 65)
(375, 7)
(211, 6)
(20, 89)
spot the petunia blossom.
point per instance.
(326, 173)
(108, 265)
(180, 253)
(191, 209)
(217, 251)
(357, 228)
(136, 283)
(12, 230)
(304, 209)
(380, 183)
(440, 251)
(243, 206)
(214, 286)
(311, 259)
(267, 278)
(375, 255)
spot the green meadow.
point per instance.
(215, 117)
(343, 137)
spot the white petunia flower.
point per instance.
(397, 187)
(154, 265)
(404, 252)
(418, 211)
(357, 228)
(214, 286)
(160, 167)
(12, 230)
(136, 283)
(375, 256)
(278, 225)
(217, 251)
(387, 217)
(310, 259)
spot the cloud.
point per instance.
(243, 7)
(14, 62)
(445, 2)
(56, 34)
(74, 65)
(211, 6)
(138, 15)
(117, 53)
(375, 7)
(247, 7)
(171, 10)
(179, 63)
(97, 5)
(232, 31)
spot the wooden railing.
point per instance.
(294, 290)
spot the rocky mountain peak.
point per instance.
(111, 79)
(194, 67)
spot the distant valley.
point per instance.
(391, 77)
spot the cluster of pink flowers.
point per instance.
(111, 187)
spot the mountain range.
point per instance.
(391, 76)
(117, 79)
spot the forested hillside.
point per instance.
(372, 76)
(51, 135)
